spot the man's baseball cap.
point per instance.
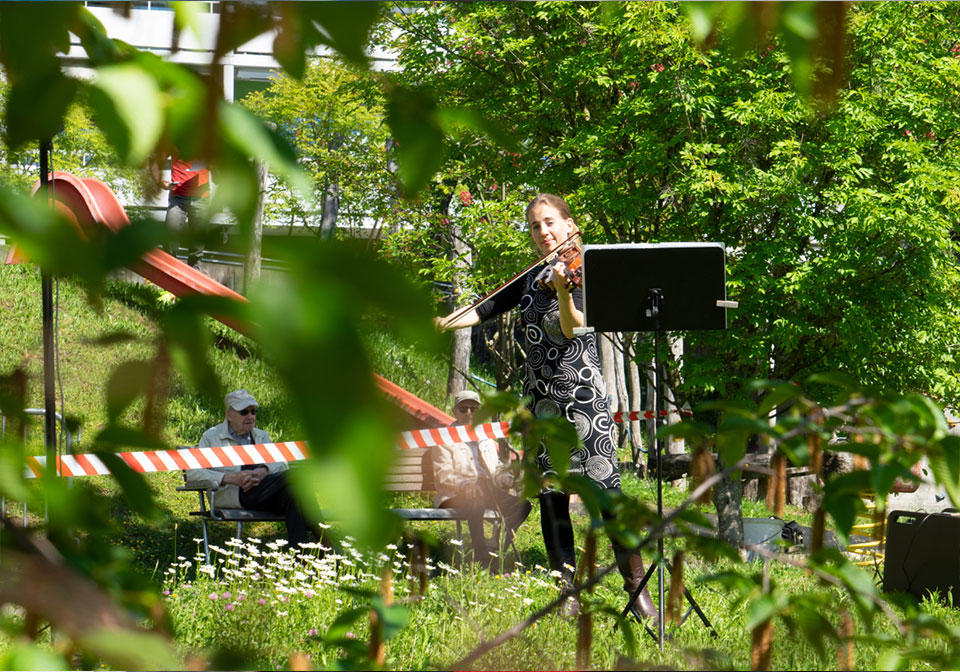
(239, 400)
(465, 395)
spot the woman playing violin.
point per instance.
(562, 377)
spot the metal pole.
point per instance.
(655, 298)
(49, 393)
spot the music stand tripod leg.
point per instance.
(693, 606)
(631, 609)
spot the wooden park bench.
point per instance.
(412, 472)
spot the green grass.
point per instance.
(461, 608)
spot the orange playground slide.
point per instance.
(90, 203)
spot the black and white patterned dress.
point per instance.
(562, 375)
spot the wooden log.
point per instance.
(678, 465)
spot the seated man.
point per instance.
(469, 477)
(254, 486)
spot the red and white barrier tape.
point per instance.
(153, 461)
(646, 415)
(150, 461)
(445, 436)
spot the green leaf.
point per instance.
(611, 12)
(890, 659)
(815, 627)
(420, 147)
(127, 382)
(30, 656)
(127, 649)
(863, 590)
(36, 107)
(779, 393)
(240, 22)
(393, 617)
(764, 608)
(129, 107)
(841, 499)
(451, 119)
(137, 492)
(836, 379)
(701, 17)
(93, 37)
(187, 16)
(343, 623)
(558, 436)
(251, 137)
(345, 25)
(688, 430)
(119, 437)
(12, 465)
(945, 464)
(188, 337)
(31, 34)
(882, 478)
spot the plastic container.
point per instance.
(761, 532)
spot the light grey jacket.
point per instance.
(454, 467)
(228, 496)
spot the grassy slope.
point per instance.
(85, 368)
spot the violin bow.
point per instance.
(458, 314)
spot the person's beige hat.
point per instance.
(239, 400)
(465, 395)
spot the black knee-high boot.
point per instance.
(558, 538)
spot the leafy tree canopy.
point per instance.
(838, 219)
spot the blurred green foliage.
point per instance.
(838, 220)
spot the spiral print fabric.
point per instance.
(563, 378)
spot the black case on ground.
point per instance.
(922, 553)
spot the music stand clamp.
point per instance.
(693, 277)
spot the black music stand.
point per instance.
(656, 287)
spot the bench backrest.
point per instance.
(412, 471)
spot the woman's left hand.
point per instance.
(560, 277)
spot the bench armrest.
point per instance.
(200, 487)
(196, 486)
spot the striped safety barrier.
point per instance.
(445, 436)
(632, 416)
(153, 461)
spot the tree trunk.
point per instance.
(728, 498)
(331, 196)
(609, 370)
(331, 207)
(460, 353)
(651, 423)
(678, 466)
(252, 262)
(620, 373)
(636, 400)
(507, 351)
(672, 382)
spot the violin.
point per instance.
(567, 251)
(571, 270)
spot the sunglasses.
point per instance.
(247, 411)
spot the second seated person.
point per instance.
(562, 377)
(468, 476)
